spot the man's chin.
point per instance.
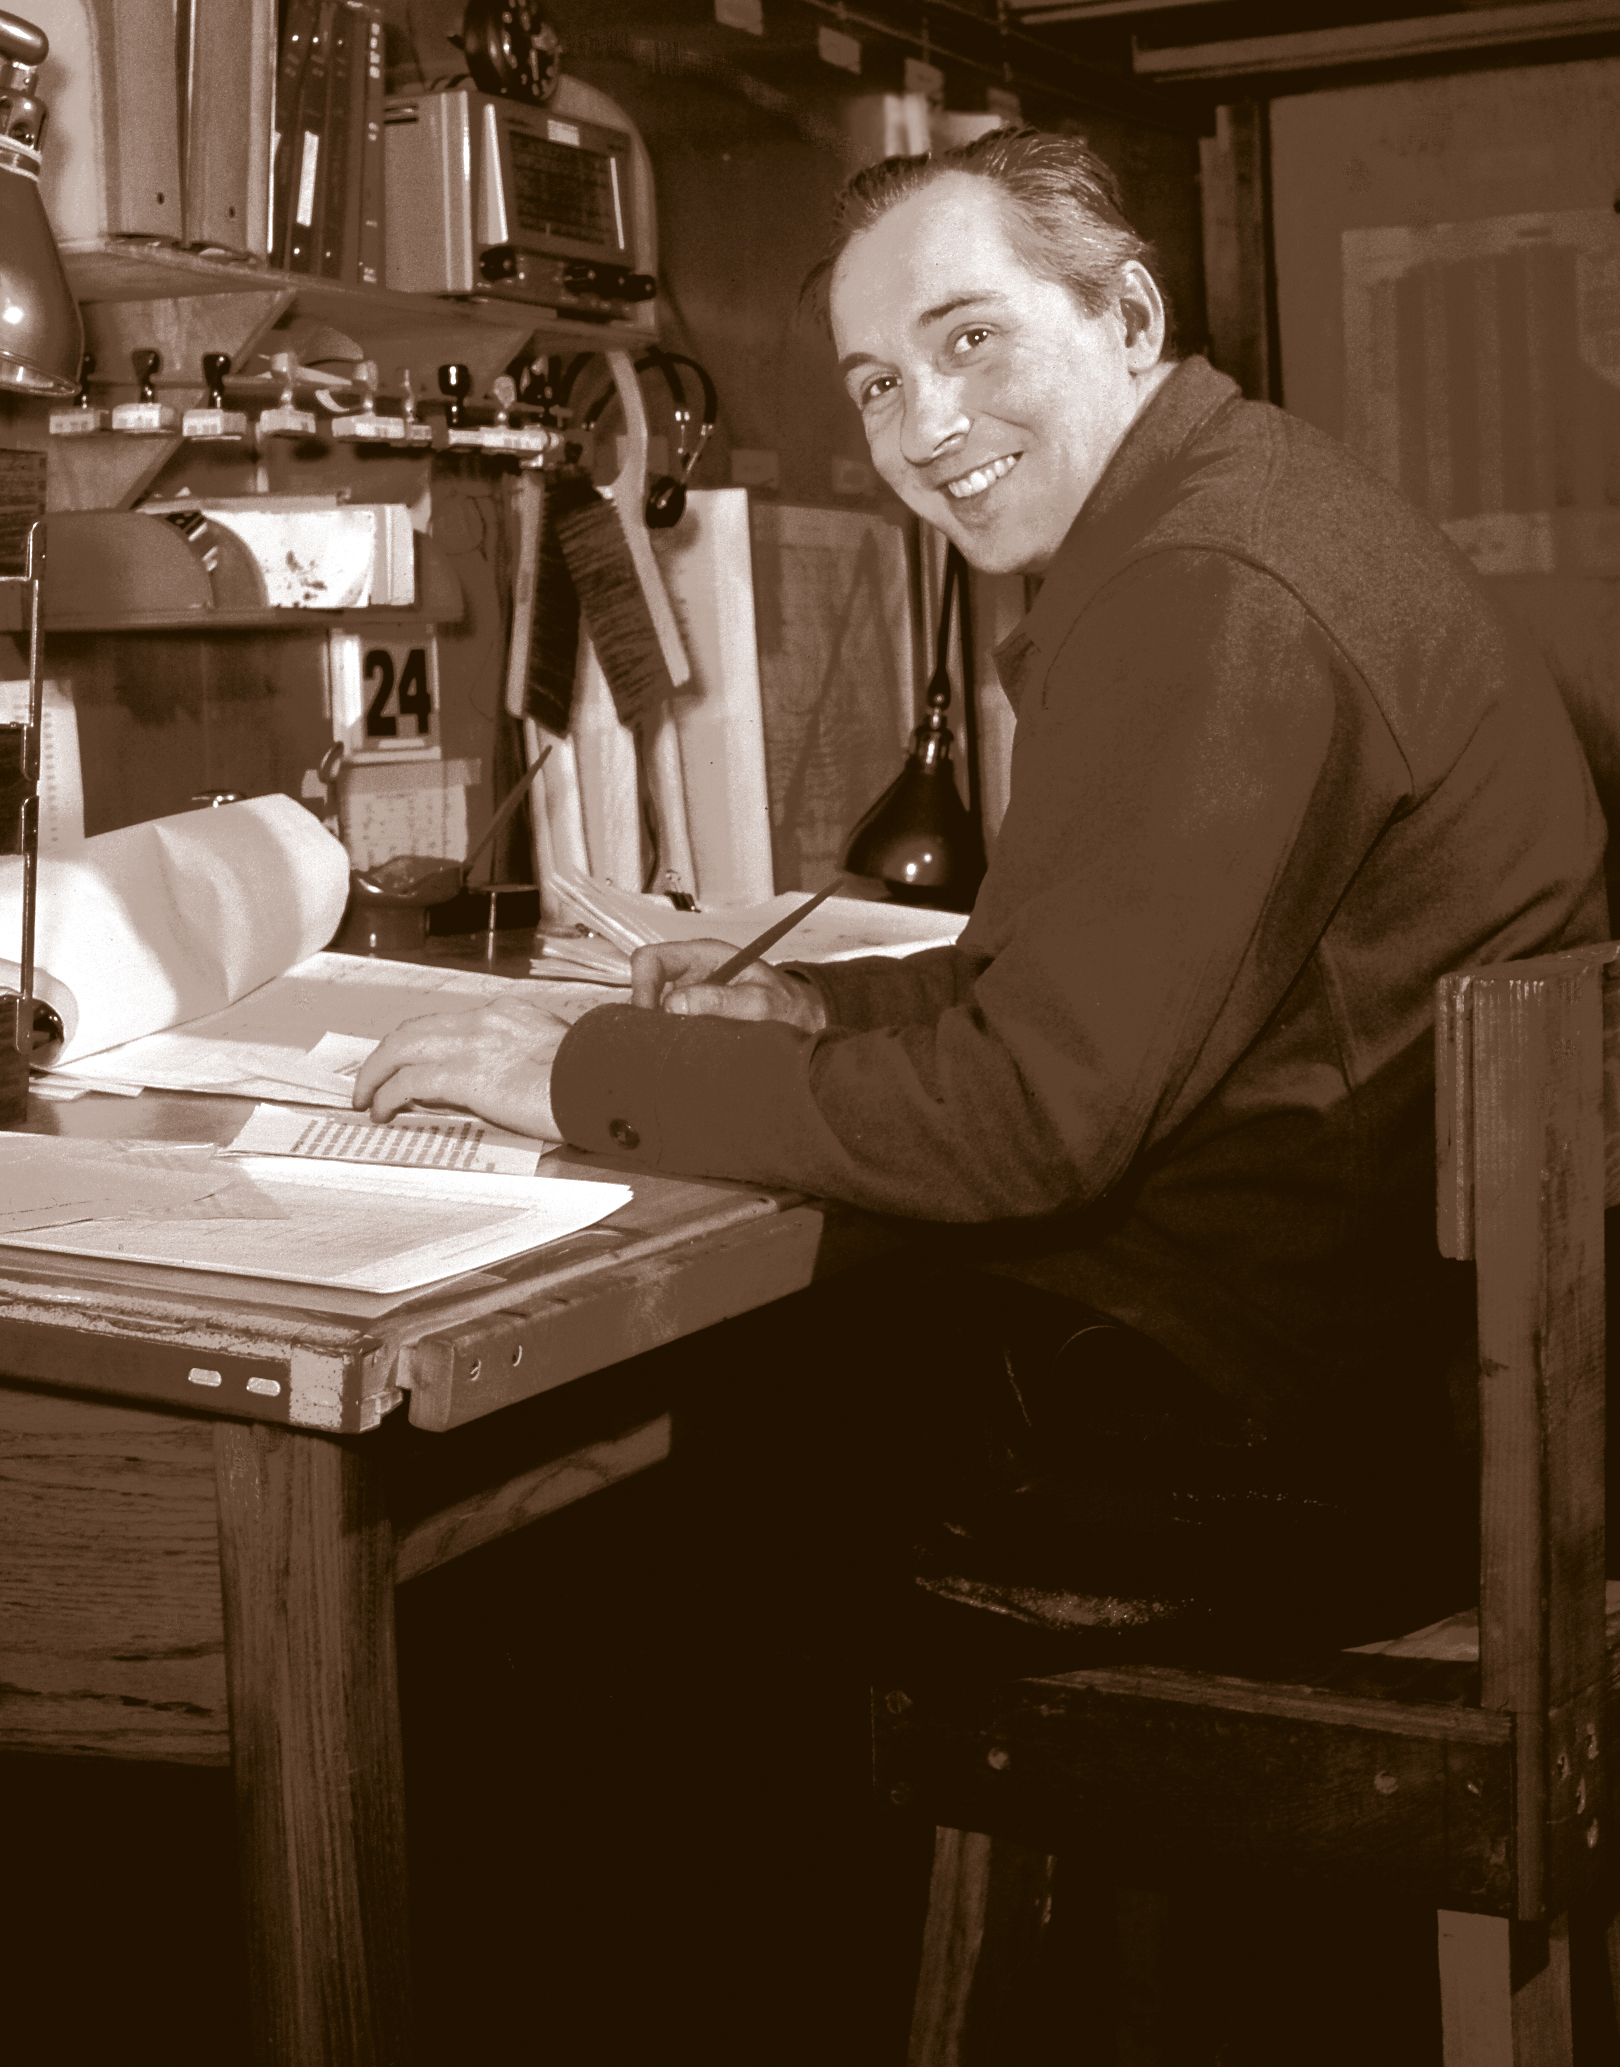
(988, 552)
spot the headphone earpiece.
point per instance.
(666, 502)
(666, 495)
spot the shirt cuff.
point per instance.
(705, 1095)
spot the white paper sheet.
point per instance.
(841, 928)
(161, 923)
(416, 1141)
(259, 1047)
(350, 1225)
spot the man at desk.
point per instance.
(1279, 765)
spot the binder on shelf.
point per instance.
(297, 34)
(346, 239)
(261, 125)
(226, 67)
(112, 158)
(372, 232)
(334, 173)
(305, 193)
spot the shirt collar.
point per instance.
(1185, 402)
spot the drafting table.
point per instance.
(211, 1494)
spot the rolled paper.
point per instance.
(158, 924)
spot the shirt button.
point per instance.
(624, 1134)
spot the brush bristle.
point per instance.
(548, 688)
(620, 624)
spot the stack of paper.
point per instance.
(300, 1038)
(349, 1225)
(414, 1141)
(838, 930)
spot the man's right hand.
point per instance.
(670, 976)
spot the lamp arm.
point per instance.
(33, 578)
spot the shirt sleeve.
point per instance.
(892, 990)
(1196, 778)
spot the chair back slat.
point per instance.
(1521, 1106)
(1611, 1082)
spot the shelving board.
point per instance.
(111, 270)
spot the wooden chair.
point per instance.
(1488, 1794)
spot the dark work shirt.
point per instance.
(1280, 764)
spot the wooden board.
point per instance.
(145, 1333)
(111, 1630)
(1154, 1764)
(306, 1556)
(564, 1329)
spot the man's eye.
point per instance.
(966, 340)
(875, 389)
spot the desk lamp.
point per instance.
(41, 338)
(41, 346)
(919, 837)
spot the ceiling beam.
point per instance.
(1377, 42)
(1035, 64)
(1038, 13)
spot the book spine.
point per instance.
(308, 148)
(136, 110)
(217, 134)
(355, 142)
(298, 32)
(370, 262)
(261, 126)
(335, 144)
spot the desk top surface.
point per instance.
(684, 1253)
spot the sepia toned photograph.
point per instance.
(809, 1032)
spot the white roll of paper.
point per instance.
(157, 924)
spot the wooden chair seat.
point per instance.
(1465, 1763)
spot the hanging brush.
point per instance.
(541, 667)
(621, 592)
(544, 657)
(632, 626)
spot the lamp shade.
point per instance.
(919, 838)
(41, 337)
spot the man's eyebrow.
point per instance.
(959, 301)
(936, 314)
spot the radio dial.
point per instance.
(510, 49)
(614, 282)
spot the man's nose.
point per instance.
(934, 420)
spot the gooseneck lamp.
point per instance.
(919, 838)
(41, 347)
(41, 337)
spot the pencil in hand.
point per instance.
(746, 957)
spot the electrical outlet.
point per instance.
(755, 469)
(853, 477)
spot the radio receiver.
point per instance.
(498, 197)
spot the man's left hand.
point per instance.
(496, 1061)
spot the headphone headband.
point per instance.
(655, 357)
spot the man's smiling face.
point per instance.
(990, 400)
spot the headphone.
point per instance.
(666, 496)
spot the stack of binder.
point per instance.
(161, 121)
(328, 183)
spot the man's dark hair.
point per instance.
(1066, 219)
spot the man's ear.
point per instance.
(1141, 308)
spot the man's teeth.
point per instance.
(981, 477)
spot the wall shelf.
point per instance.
(144, 577)
(205, 620)
(136, 296)
(118, 270)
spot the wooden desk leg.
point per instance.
(307, 1565)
